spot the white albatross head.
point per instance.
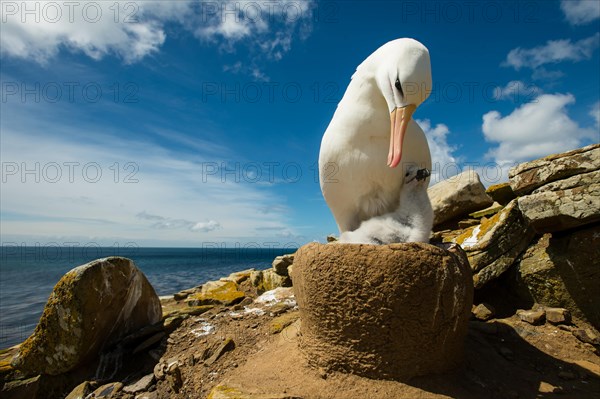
(403, 75)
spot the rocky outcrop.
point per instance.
(561, 270)
(564, 204)
(559, 194)
(277, 276)
(529, 176)
(90, 308)
(493, 245)
(393, 311)
(458, 196)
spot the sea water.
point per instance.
(28, 274)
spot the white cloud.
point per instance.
(580, 12)
(517, 91)
(133, 30)
(441, 152)
(39, 30)
(162, 222)
(553, 51)
(534, 130)
(265, 29)
(595, 113)
(206, 226)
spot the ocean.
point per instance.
(28, 274)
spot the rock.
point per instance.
(173, 376)
(80, 391)
(564, 204)
(501, 193)
(278, 324)
(494, 245)
(267, 280)
(587, 335)
(463, 224)
(331, 238)
(90, 308)
(528, 176)
(558, 315)
(548, 388)
(238, 277)
(532, 316)
(590, 367)
(141, 385)
(147, 395)
(160, 371)
(281, 264)
(484, 311)
(107, 391)
(556, 271)
(171, 323)
(148, 342)
(225, 347)
(217, 293)
(277, 295)
(458, 196)
(487, 212)
(390, 311)
(181, 295)
(20, 389)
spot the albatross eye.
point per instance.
(399, 87)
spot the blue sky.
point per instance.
(198, 123)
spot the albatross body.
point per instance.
(372, 138)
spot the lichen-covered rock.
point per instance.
(494, 245)
(90, 308)
(238, 277)
(267, 280)
(217, 293)
(391, 311)
(458, 196)
(487, 212)
(281, 264)
(501, 193)
(528, 176)
(563, 204)
(562, 270)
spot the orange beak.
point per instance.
(400, 118)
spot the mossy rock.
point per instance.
(217, 293)
(92, 307)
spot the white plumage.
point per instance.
(372, 140)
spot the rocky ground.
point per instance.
(250, 350)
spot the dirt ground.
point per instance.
(504, 358)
